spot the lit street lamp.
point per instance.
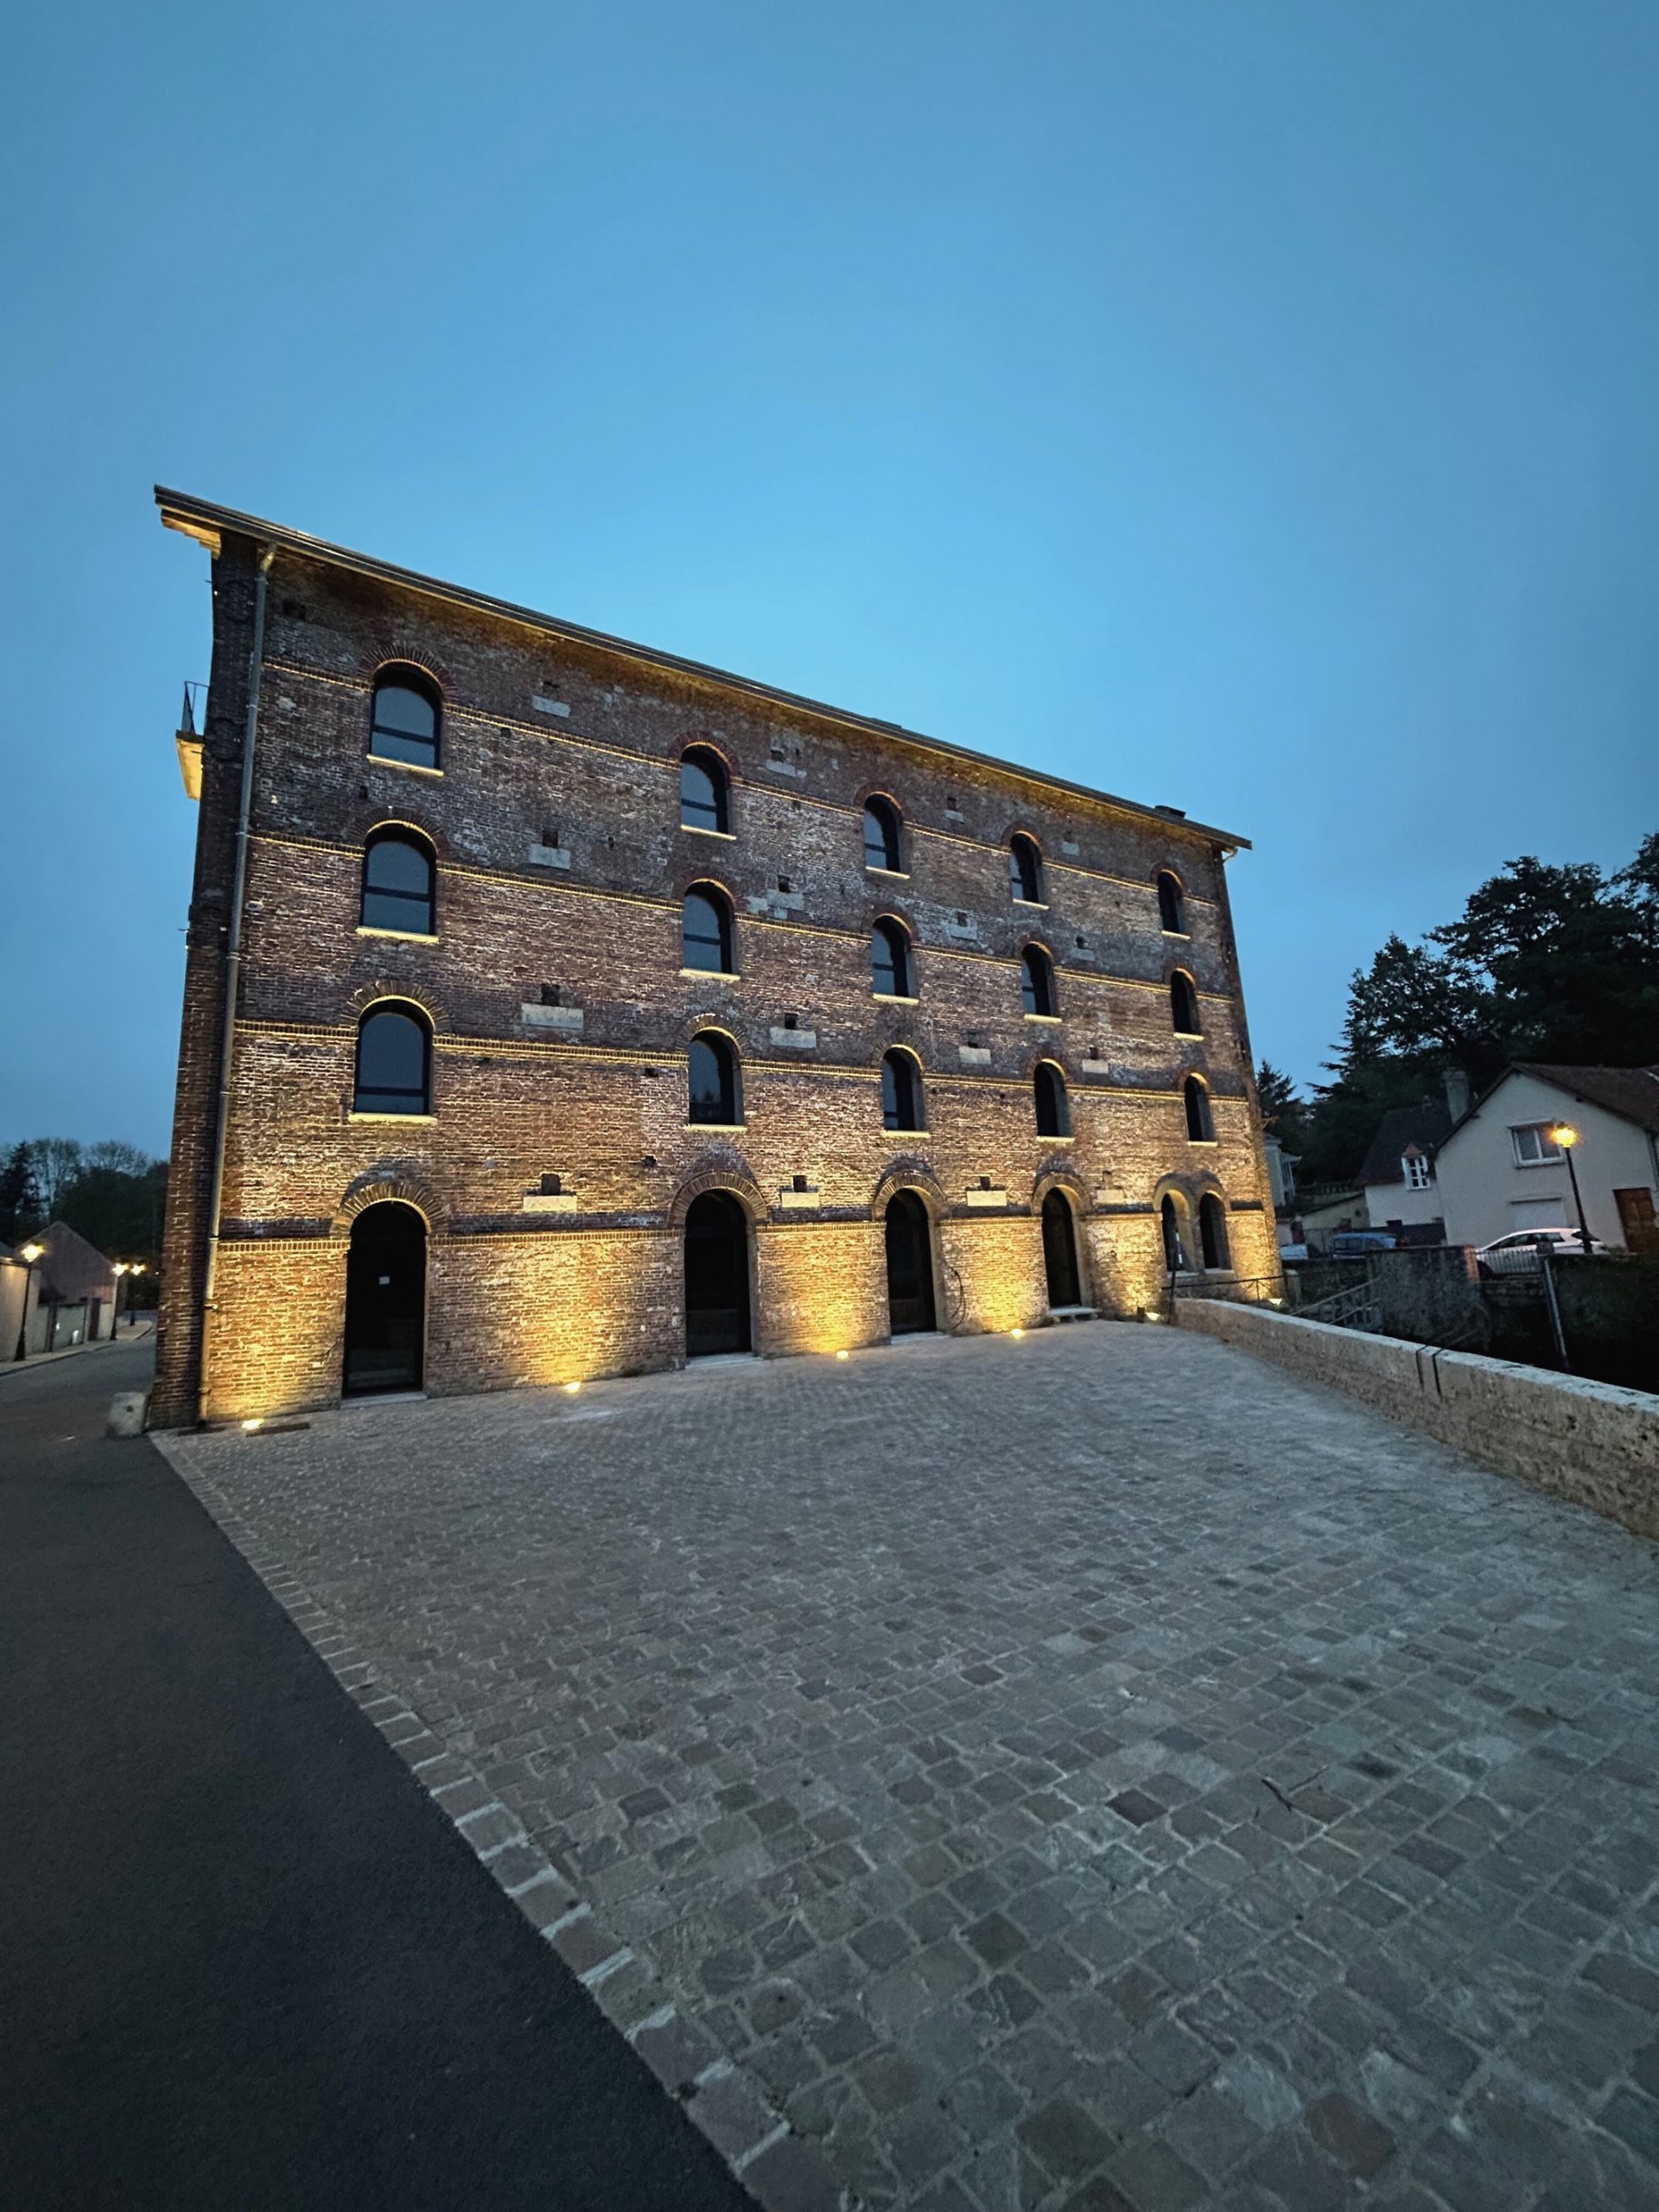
(31, 1253)
(117, 1268)
(1564, 1134)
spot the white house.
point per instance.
(1398, 1178)
(1500, 1169)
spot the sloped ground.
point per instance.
(1052, 1768)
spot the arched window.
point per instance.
(712, 1080)
(1026, 868)
(705, 794)
(1176, 1257)
(901, 1092)
(398, 879)
(1172, 905)
(394, 1061)
(706, 929)
(1212, 1231)
(881, 846)
(890, 976)
(1200, 1127)
(1183, 1005)
(403, 725)
(1037, 980)
(1053, 1108)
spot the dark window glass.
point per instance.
(889, 961)
(1171, 907)
(397, 880)
(702, 792)
(1026, 870)
(1054, 1114)
(394, 1061)
(1175, 1258)
(706, 932)
(1036, 981)
(1197, 1109)
(901, 1093)
(881, 848)
(405, 724)
(1212, 1232)
(1183, 1004)
(712, 1077)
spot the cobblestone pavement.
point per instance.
(1088, 1772)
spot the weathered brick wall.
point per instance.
(517, 1297)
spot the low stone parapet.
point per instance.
(1591, 1442)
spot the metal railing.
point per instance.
(192, 722)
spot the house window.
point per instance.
(706, 929)
(1420, 1175)
(1534, 1146)
(397, 885)
(712, 1080)
(403, 722)
(1054, 1108)
(901, 1092)
(1037, 980)
(1200, 1127)
(1183, 1005)
(1025, 869)
(882, 848)
(1212, 1231)
(890, 960)
(1173, 1215)
(394, 1062)
(705, 802)
(1172, 906)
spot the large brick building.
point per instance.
(556, 1007)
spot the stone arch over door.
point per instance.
(382, 1184)
(736, 1182)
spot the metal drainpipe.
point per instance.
(233, 972)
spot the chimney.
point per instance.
(1456, 1093)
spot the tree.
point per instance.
(1284, 1110)
(119, 1210)
(56, 1162)
(20, 1200)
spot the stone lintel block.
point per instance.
(795, 1040)
(549, 1202)
(800, 1201)
(548, 856)
(567, 1019)
(978, 1197)
(973, 1056)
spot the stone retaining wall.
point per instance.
(1591, 1442)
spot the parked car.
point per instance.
(1353, 1244)
(1517, 1253)
(1292, 1252)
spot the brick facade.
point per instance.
(591, 774)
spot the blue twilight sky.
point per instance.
(1244, 404)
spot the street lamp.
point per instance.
(117, 1268)
(1564, 1134)
(31, 1253)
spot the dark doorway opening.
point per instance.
(716, 1276)
(386, 1300)
(1060, 1252)
(910, 1266)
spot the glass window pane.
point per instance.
(394, 865)
(709, 1080)
(703, 934)
(398, 707)
(391, 1064)
(702, 796)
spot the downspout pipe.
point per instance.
(232, 974)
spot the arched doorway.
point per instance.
(716, 1276)
(386, 1300)
(1060, 1252)
(910, 1266)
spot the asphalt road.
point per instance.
(245, 1962)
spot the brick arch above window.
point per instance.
(389, 986)
(397, 1184)
(392, 657)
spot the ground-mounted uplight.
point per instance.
(250, 1427)
(1016, 1332)
(841, 1355)
(571, 1389)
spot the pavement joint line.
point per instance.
(747, 2157)
(583, 1911)
(606, 1968)
(536, 1881)
(654, 2022)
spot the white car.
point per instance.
(1517, 1253)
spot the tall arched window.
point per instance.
(1200, 1127)
(1053, 1108)
(705, 793)
(394, 1061)
(1176, 1256)
(1212, 1231)
(1172, 905)
(403, 723)
(901, 1092)
(890, 976)
(711, 1067)
(1026, 868)
(881, 846)
(1183, 1005)
(398, 879)
(1037, 980)
(706, 929)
